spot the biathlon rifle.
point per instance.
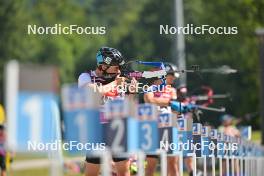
(128, 72)
(224, 69)
(158, 70)
(208, 97)
(196, 108)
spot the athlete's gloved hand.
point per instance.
(180, 107)
(177, 106)
(120, 80)
(190, 107)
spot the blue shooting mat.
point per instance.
(148, 136)
(121, 132)
(197, 140)
(185, 126)
(205, 141)
(245, 132)
(168, 133)
(220, 141)
(148, 128)
(36, 121)
(213, 140)
(82, 127)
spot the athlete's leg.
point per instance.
(173, 166)
(122, 167)
(91, 169)
(237, 167)
(224, 166)
(189, 164)
(92, 166)
(151, 165)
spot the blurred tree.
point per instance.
(133, 27)
(239, 51)
(14, 43)
(120, 19)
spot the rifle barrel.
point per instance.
(222, 109)
(206, 97)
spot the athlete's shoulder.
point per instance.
(84, 78)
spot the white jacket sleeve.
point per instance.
(84, 79)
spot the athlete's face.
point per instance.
(112, 69)
(157, 82)
(227, 122)
(170, 79)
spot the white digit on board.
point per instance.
(147, 136)
(165, 136)
(118, 125)
(33, 109)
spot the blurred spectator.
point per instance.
(2, 150)
(229, 129)
(227, 126)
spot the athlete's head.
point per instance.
(109, 61)
(182, 93)
(172, 73)
(226, 119)
(156, 80)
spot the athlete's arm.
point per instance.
(102, 89)
(149, 98)
(174, 94)
(85, 80)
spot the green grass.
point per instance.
(31, 172)
(37, 172)
(22, 156)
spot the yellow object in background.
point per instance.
(2, 114)
(8, 160)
